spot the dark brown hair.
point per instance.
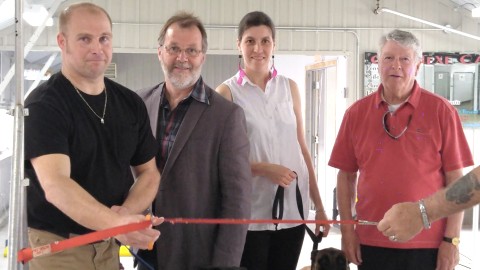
(184, 20)
(255, 18)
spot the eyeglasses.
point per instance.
(387, 130)
(176, 51)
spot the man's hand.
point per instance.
(141, 239)
(448, 256)
(351, 244)
(403, 221)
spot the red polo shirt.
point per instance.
(405, 169)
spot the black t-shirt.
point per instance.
(60, 122)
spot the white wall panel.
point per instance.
(135, 20)
(137, 71)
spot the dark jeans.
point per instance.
(268, 250)
(375, 258)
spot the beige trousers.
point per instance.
(102, 255)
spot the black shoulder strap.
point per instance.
(277, 212)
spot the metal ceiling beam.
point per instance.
(42, 72)
(31, 42)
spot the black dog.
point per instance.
(329, 259)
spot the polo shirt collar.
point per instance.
(413, 99)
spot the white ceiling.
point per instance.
(8, 10)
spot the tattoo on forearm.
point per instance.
(462, 190)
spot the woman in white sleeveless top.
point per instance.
(278, 152)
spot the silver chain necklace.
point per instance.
(104, 106)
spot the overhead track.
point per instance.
(445, 28)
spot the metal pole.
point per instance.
(17, 205)
(17, 227)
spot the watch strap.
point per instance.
(454, 241)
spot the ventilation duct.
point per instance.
(111, 71)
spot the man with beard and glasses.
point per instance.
(203, 156)
(84, 136)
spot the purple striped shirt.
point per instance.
(169, 121)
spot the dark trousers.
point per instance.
(267, 250)
(149, 257)
(375, 258)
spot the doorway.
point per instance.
(325, 104)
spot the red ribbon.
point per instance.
(254, 221)
(27, 254)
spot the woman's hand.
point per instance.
(278, 174)
(321, 215)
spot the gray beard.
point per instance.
(182, 82)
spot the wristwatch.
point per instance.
(454, 241)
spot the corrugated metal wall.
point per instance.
(137, 23)
(137, 71)
(140, 20)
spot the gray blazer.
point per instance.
(207, 175)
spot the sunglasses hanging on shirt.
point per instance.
(387, 129)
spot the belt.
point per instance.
(68, 235)
(72, 235)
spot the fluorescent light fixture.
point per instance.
(447, 29)
(35, 15)
(476, 12)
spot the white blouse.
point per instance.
(272, 131)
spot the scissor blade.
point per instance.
(366, 222)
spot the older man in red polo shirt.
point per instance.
(405, 143)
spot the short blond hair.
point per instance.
(66, 14)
